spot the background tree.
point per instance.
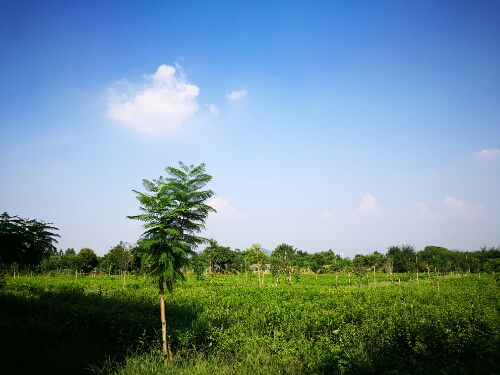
(259, 259)
(317, 262)
(119, 257)
(360, 266)
(222, 258)
(239, 261)
(69, 251)
(219, 258)
(400, 256)
(209, 253)
(86, 260)
(302, 260)
(174, 212)
(25, 242)
(283, 261)
(199, 263)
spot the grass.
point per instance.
(62, 325)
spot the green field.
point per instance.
(230, 325)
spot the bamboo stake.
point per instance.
(416, 264)
(437, 277)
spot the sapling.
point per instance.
(174, 211)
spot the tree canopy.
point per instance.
(174, 212)
(283, 262)
(25, 241)
(88, 259)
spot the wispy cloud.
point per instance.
(236, 94)
(329, 216)
(212, 109)
(224, 209)
(422, 209)
(486, 154)
(159, 106)
(459, 208)
(368, 205)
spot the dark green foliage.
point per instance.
(25, 242)
(199, 264)
(492, 266)
(62, 325)
(436, 257)
(119, 258)
(401, 256)
(219, 258)
(70, 251)
(174, 212)
(67, 262)
(87, 260)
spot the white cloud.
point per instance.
(157, 107)
(327, 215)
(224, 209)
(236, 94)
(422, 209)
(462, 209)
(212, 109)
(486, 154)
(368, 204)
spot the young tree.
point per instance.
(360, 265)
(259, 258)
(174, 212)
(283, 261)
(119, 258)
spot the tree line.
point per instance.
(28, 246)
(397, 259)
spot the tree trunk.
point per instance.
(165, 345)
(124, 276)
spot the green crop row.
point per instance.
(319, 325)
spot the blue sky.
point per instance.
(350, 126)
